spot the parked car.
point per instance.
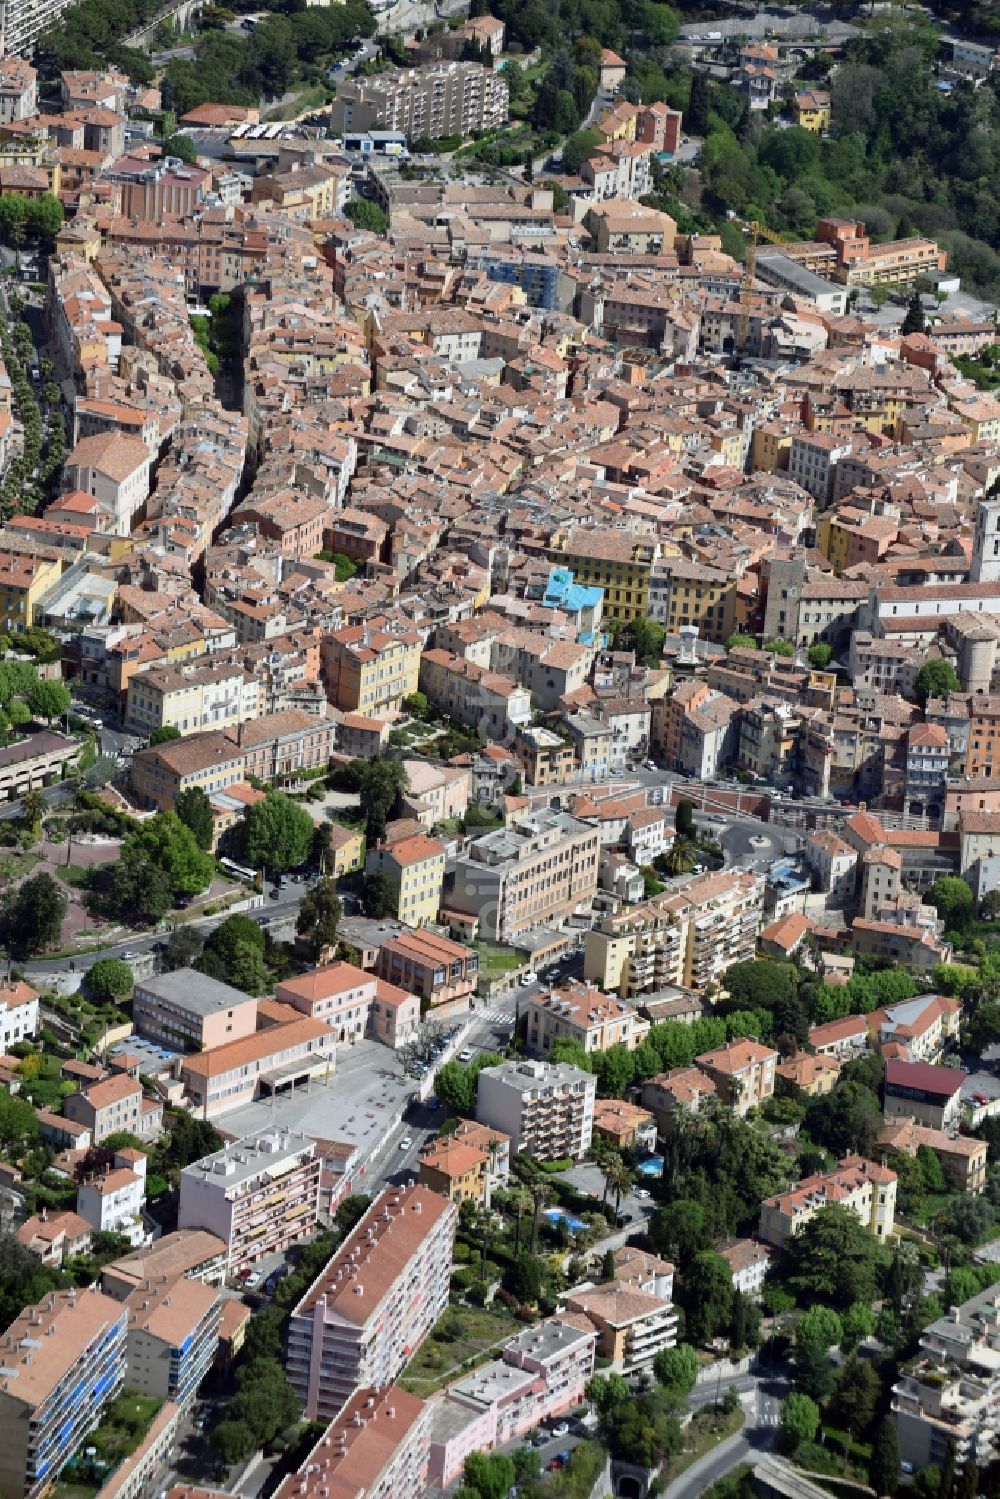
(406, 1142)
(561, 1429)
(641, 1193)
(466, 1054)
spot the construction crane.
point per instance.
(755, 232)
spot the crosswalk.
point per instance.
(497, 1016)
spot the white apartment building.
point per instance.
(112, 1202)
(258, 1195)
(547, 1108)
(950, 1390)
(18, 1013)
(173, 1335)
(450, 98)
(377, 1447)
(365, 1314)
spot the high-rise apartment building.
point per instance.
(23, 21)
(451, 98)
(536, 871)
(949, 1391)
(365, 1314)
(173, 1335)
(547, 1108)
(258, 1195)
(61, 1361)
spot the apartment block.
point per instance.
(369, 670)
(454, 98)
(918, 1029)
(538, 870)
(546, 1108)
(415, 869)
(580, 1012)
(632, 1325)
(115, 1104)
(198, 694)
(627, 1126)
(188, 1011)
(743, 1072)
(62, 1360)
(187, 1251)
(258, 1195)
(375, 1448)
(379, 1296)
(541, 1372)
(173, 1335)
(948, 1392)
(338, 994)
(685, 938)
(868, 1189)
(470, 1164)
(617, 561)
(962, 1157)
(18, 1013)
(112, 1200)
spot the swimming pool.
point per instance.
(560, 1215)
(652, 1166)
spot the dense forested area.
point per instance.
(292, 45)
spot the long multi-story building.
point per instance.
(188, 1011)
(258, 1195)
(948, 1392)
(547, 1108)
(536, 871)
(686, 938)
(451, 98)
(376, 1448)
(540, 1373)
(364, 1315)
(173, 1335)
(61, 1361)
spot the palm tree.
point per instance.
(683, 855)
(34, 809)
(618, 1177)
(519, 1202)
(541, 1196)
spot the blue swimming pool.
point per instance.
(560, 1215)
(653, 1166)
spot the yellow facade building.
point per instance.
(369, 670)
(617, 561)
(415, 870)
(23, 582)
(812, 110)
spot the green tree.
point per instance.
(234, 954)
(164, 734)
(967, 1486)
(953, 900)
(834, 1258)
(684, 824)
(166, 844)
(914, 321)
(31, 916)
(820, 1324)
(799, 1420)
(383, 783)
(35, 808)
(195, 811)
(137, 890)
(857, 1394)
(181, 146)
(108, 979)
(48, 700)
(820, 655)
(364, 214)
(318, 919)
(741, 642)
(677, 1369)
(679, 1229)
(780, 647)
(935, 679)
(706, 1294)
(615, 1070)
(883, 1472)
(696, 115)
(18, 1125)
(378, 895)
(277, 833)
(490, 1475)
(858, 1324)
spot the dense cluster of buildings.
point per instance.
(495, 473)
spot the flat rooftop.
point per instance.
(193, 991)
(246, 1159)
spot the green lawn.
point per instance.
(122, 1428)
(494, 960)
(312, 98)
(75, 875)
(463, 1337)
